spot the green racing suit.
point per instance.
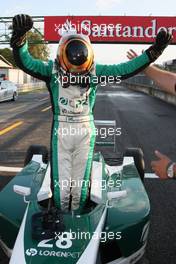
(73, 131)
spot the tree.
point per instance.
(8, 55)
(37, 48)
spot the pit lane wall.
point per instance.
(32, 86)
(143, 84)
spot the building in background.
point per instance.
(17, 76)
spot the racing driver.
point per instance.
(73, 102)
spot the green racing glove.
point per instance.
(20, 25)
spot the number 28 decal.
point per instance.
(61, 241)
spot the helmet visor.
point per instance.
(77, 52)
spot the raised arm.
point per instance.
(164, 79)
(126, 69)
(35, 67)
(130, 68)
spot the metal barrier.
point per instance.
(31, 86)
(141, 79)
(143, 84)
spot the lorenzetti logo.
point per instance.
(31, 252)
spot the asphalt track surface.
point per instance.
(146, 122)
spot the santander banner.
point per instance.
(110, 29)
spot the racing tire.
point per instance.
(14, 96)
(36, 150)
(138, 156)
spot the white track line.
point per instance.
(151, 176)
(44, 99)
(16, 108)
(46, 109)
(10, 169)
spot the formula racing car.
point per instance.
(112, 227)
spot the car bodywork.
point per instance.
(8, 91)
(119, 211)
